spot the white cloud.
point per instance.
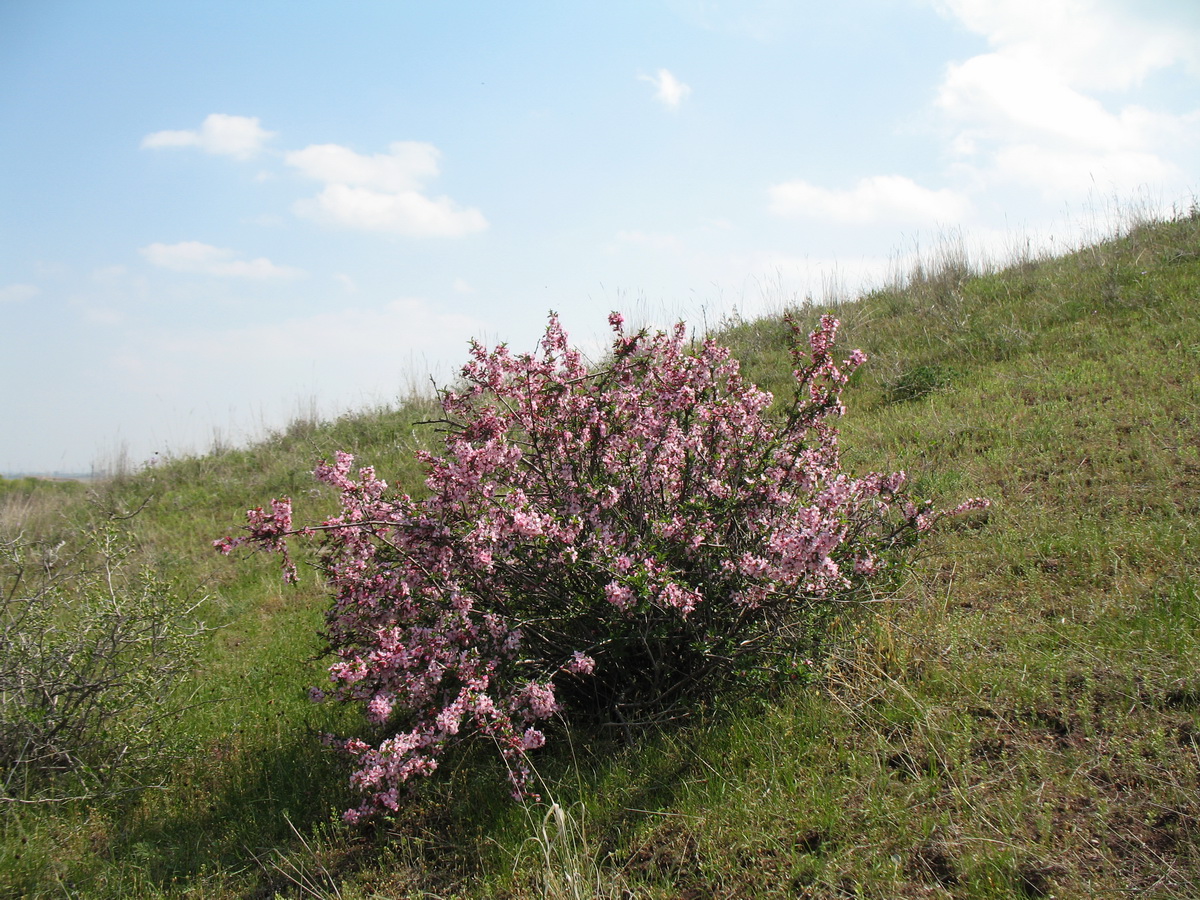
(409, 213)
(1026, 114)
(462, 286)
(668, 89)
(1002, 95)
(405, 168)
(1058, 171)
(196, 258)
(1092, 44)
(888, 198)
(238, 136)
(15, 293)
(382, 192)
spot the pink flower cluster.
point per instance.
(612, 542)
(269, 531)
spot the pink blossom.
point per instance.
(618, 595)
(540, 699)
(649, 504)
(581, 664)
(866, 565)
(532, 739)
(379, 708)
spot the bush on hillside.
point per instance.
(615, 543)
(92, 650)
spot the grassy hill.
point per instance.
(1021, 719)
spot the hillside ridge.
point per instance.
(1021, 718)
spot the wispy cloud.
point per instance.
(108, 274)
(668, 89)
(196, 258)
(765, 21)
(369, 336)
(879, 198)
(15, 293)
(238, 136)
(651, 240)
(355, 354)
(381, 192)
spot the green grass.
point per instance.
(1020, 719)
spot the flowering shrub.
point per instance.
(614, 543)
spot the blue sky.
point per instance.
(214, 216)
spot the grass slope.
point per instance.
(1021, 720)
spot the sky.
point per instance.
(216, 217)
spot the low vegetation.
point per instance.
(91, 656)
(1018, 717)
